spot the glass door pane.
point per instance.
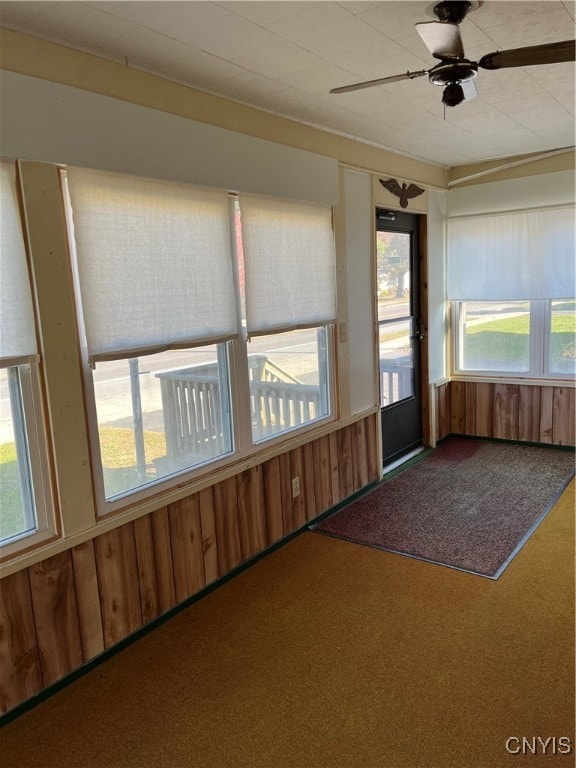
(396, 361)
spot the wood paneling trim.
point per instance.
(69, 608)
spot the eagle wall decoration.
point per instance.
(404, 192)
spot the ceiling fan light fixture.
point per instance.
(453, 95)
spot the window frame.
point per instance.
(29, 418)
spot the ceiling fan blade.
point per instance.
(549, 53)
(442, 38)
(379, 81)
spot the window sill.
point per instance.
(519, 380)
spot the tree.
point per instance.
(393, 260)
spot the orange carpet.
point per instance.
(327, 654)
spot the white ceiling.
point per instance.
(285, 56)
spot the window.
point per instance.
(511, 280)
(205, 332)
(495, 336)
(562, 337)
(157, 304)
(25, 499)
(161, 414)
(286, 252)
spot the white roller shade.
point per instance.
(154, 263)
(17, 332)
(527, 255)
(289, 262)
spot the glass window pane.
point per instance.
(396, 362)
(393, 273)
(161, 414)
(562, 356)
(288, 380)
(495, 336)
(17, 514)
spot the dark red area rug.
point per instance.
(469, 504)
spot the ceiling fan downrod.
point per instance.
(454, 11)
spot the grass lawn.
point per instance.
(503, 343)
(119, 457)
(120, 472)
(12, 519)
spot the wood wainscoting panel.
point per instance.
(505, 400)
(251, 513)
(227, 528)
(322, 484)
(524, 412)
(163, 559)
(335, 468)
(20, 670)
(286, 493)
(458, 408)
(273, 500)
(442, 398)
(484, 410)
(563, 416)
(345, 462)
(359, 454)
(299, 501)
(311, 507)
(118, 583)
(144, 539)
(87, 600)
(209, 545)
(529, 413)
(545, 420)
(470, 408)
(186, 540)
(68, 609)
(56, 616)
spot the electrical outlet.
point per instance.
(295, 487)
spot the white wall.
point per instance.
(359, 219)
(55, 123)
(437, 320)
(541, 191)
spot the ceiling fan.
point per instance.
(454, 71)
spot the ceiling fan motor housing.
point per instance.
(453, 72)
